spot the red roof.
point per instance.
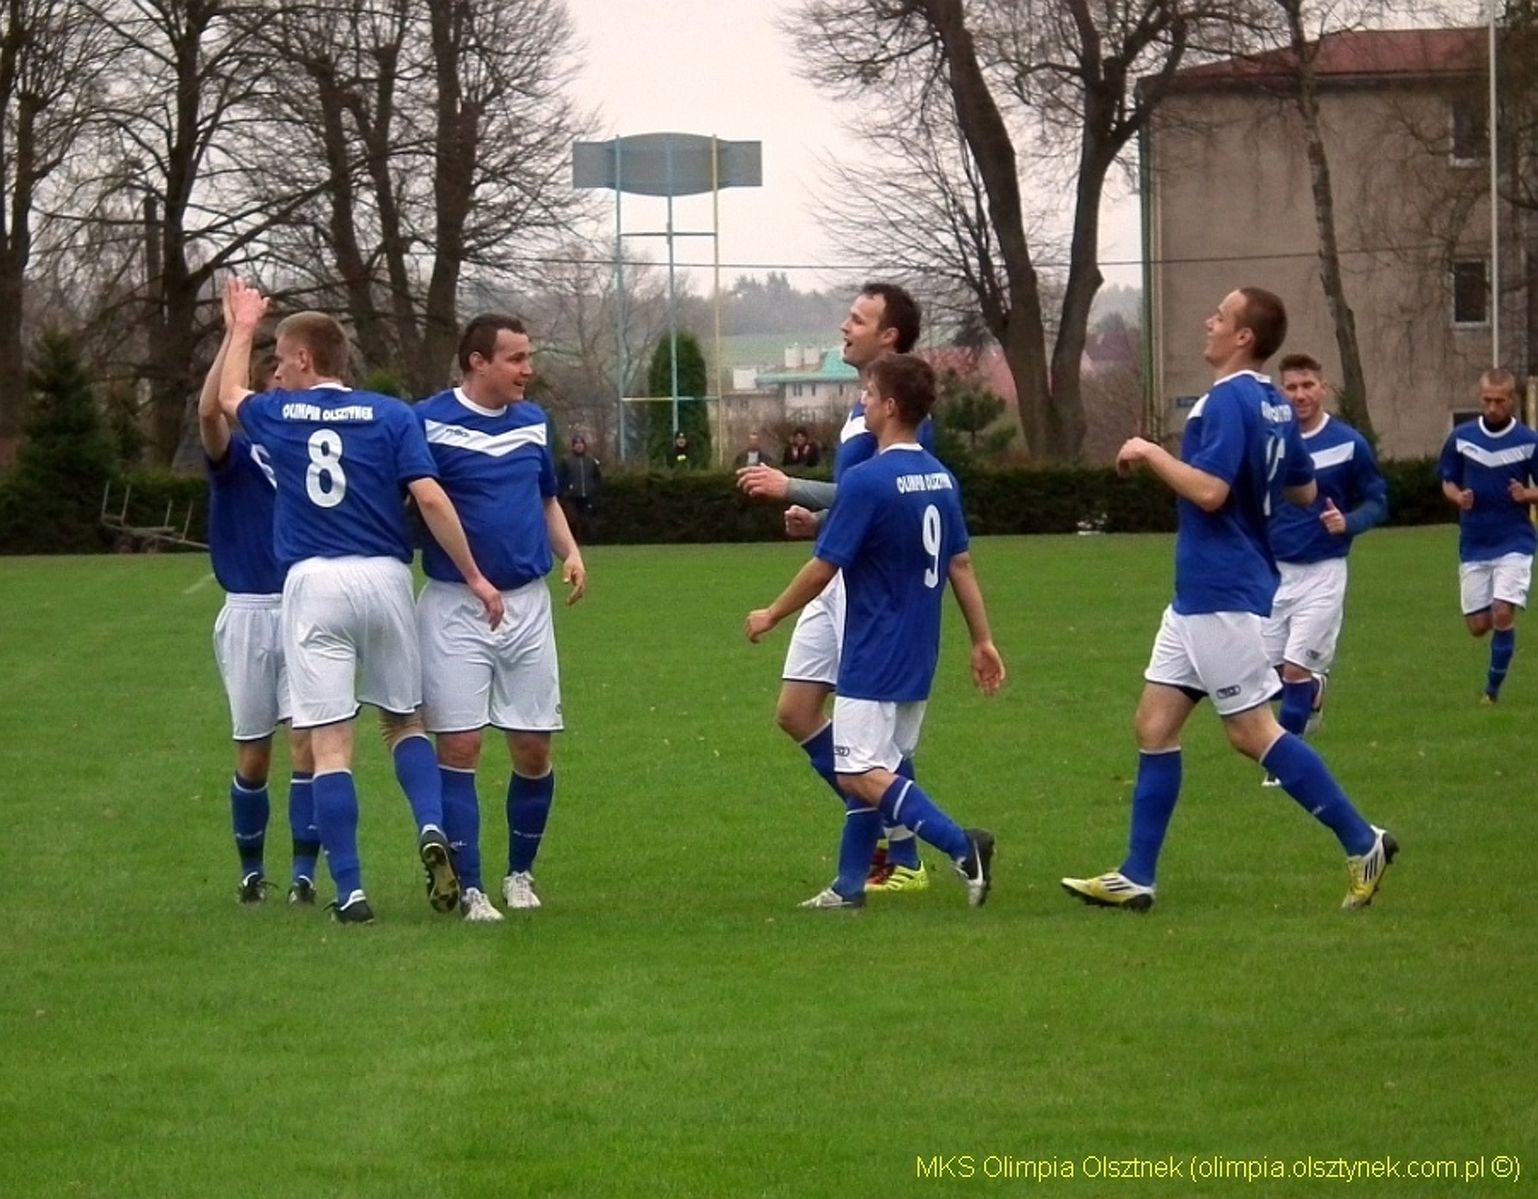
(1360, 53)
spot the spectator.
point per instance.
(755, 454)
(581, 478)
(802, 450)
(681, 452)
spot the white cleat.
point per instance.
(518, 891)
(1270, 781)
(1316, 714)
(477, 908)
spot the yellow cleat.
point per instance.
(1365, 872)
(898, 878)
(1111, 890)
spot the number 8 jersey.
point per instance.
(1244, 432)
(342, 460)
(893, 530)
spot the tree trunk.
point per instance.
(1354, 408)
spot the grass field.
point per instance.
(670, 1024)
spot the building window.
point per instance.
(1470, 124)
(795, 390)
(1462, 416)
(1471, 292)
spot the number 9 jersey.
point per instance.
(893, 530)
(342, 459)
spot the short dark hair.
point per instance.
(908, 380)
(1300, 362)
(324, 337)
(799, 431)
(1265, 316)
(480, 335)
(899, 311)
(1498, 376)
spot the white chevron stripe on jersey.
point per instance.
(853, 427)
(1336, 455)
(496, 445)
(1495, 458)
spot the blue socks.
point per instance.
(819, 751)
(416, 769)
(862, 829)
(904, 803)
(1306, 778)
(1153, 803)
(336, 813)
(248, 815)
(1297, 705)
(1503, 644)
(528, 807)
(301, 825)
(462, 823)
(902, 846)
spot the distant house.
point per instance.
(814, 385)
(1227, 201)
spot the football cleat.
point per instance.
(830, 900)
(1270, 781)
(302, 892)
(253, 888)
(477, 908)
(878, 862)
(1316, 714)
(518, 891)
(976, 869)
(442, 880)
(1488, 700)
(354, 911)
(1111, 890)
(1365, 871)
(899, 878)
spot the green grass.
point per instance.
(670, 1024)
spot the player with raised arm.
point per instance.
(492, 449)
(344, 460)
(1488, 471)
(1311, 545)
(248, 645)
(897, 534)
(882, 318)
(1240, 456)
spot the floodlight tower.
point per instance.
(669, 165)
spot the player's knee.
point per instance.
(794, 719)
(300, 753)
(1295, 674)
(531, 754)
(1479, 623)
(253, 760)
(1502, 616)
(395, 727)
(459, 751)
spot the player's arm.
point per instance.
(213, 425)
(1301, 494)
(1371, 494)
(1451, 467)
(441, 519)
(987, 665)
(244, 307)
(1207, 491)
(564, 546)
(805, 587)
(770, 483)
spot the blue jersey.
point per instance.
(495, 465)
(1487, 463)
(1347, 475)
(893, 529)
(857, 444)
(342, 459)
(241, 494)
(1245, 433)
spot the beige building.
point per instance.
(1228, 201)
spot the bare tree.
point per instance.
(1019, 76)
(52, 62)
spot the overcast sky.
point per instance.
(722, 67)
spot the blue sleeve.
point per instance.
(1297, 463)
(549, 483)
(1369, 492)
(255, 414)
(1452, 460)
(413, 456)
(1222, 447)
(962, 541)
(848, 521)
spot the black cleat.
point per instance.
(302, 892)
(354, 911)
(976, 869)
(253, 888)
(442, 878)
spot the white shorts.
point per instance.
(474, 675)
(1506, 578)
(818, 639)
(1306, 614)
(870, 734)
(350, 637)
(248, 645)
(1221, 653)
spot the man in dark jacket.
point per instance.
(581, 478)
